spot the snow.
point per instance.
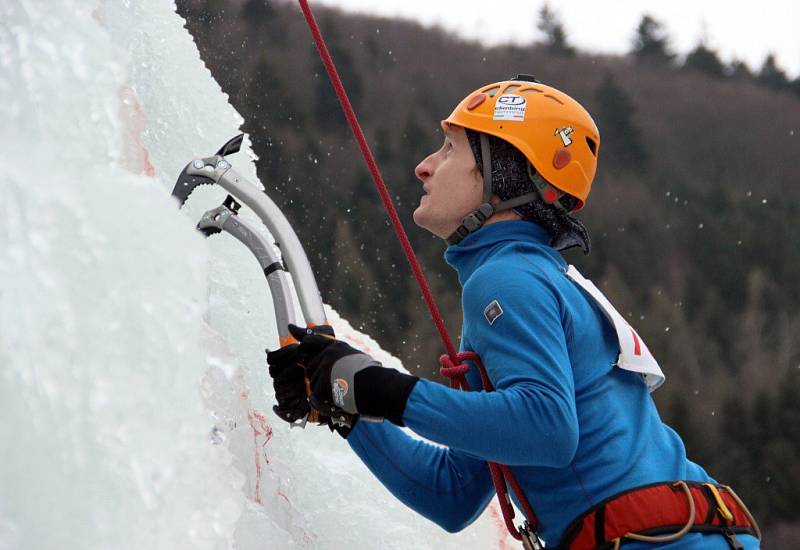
(136, 406)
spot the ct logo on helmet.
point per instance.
(510, 107)
(339, 390)
(511, 100)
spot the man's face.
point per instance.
(452, 184)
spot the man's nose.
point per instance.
(424, 169)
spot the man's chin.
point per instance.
(419, 217)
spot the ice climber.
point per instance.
(571, 413)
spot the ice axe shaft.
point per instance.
(224, 218)
(217, 170)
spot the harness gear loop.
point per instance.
(678, 534)
(745, 509)
(726, 514)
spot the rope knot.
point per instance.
(455, 371)
(449, 369)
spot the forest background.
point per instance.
(692, 214)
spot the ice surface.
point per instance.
(135, 405)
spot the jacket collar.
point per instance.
(466, 256)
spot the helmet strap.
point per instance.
(474, 221)
(486, 160)
(549, 194)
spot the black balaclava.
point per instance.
(510, 179)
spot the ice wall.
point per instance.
(135, 406)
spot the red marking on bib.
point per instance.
(637, 349)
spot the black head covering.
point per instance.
(510, 179)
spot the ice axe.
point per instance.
(279, 273)
(217, 170)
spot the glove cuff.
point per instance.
(383, 392)
(343, 382)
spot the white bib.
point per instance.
(634, 355)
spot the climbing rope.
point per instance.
(453, 364)
(456, 372)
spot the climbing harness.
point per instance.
(660, 513)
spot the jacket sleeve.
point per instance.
(446, 486)
(531, 419)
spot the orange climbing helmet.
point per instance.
(552, 130)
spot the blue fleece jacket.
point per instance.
(574, 428)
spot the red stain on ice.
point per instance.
(135, 156)
(500, 524)
(262, 433)
(284, 497)
(359, 342)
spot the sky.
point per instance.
(745, 30)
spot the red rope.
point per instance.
(500, 473)
(453, 364)
(350, 115)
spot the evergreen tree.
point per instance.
(771, 75)
(651, 43)
(555, 35)
(738, 69)
(705, 60)
(622, 140)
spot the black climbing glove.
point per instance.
(288, 379)
(346, 379)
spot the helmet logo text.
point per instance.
(511, 100)
(510, 107)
